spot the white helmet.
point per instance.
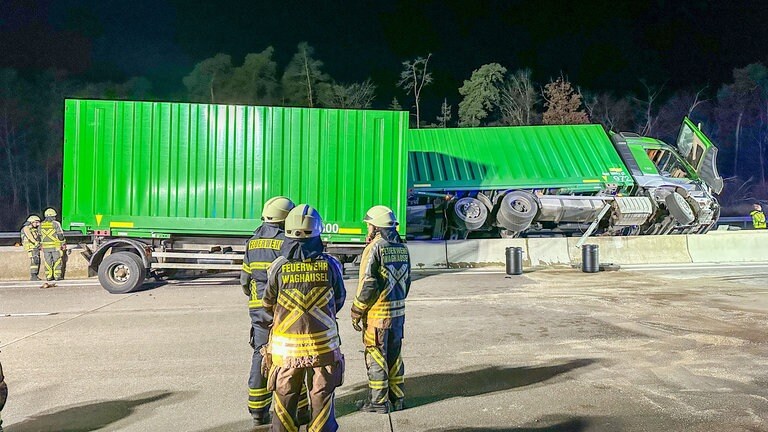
(276, 209)
(380, 216)
(303, 222)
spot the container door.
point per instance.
(699, 151)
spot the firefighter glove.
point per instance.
(246, 290)
(356, 323)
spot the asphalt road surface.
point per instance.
(646, 349)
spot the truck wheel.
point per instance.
(470, 213)
(122, 272)
(517, 210)
(679, 208)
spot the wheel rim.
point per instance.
(521, 205)
(120, 273)
(470, 210)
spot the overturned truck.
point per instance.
(567, 179)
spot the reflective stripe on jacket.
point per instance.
(385, 279)
(305, 296)
(758, 219)
(51, 234)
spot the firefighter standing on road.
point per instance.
(379, 310)
(305, 290)
(30, 239)
(260, 251)
(3, 395)
(758, 217)
(53, 244)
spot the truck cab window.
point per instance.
(667, 163)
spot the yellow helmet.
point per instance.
(50, 212)
(33, 218)
(303, 222)
(380, 216)
(276, 209)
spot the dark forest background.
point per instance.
(734, 114)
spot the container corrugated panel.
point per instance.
(577, 157)
(198, 169)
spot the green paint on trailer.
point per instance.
(197, 169)
(580, 158)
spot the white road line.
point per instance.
(30, 314)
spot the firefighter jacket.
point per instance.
(758, 219)
(263, 248)
(385, 278)
(3, 388)
(30, 237)
(51, 234)
(305, 291)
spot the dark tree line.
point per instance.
(733, 114)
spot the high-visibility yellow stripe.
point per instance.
(259, 265)
(590, 181)
(350, 231)
(260, 404)
(246, 268)
(253, 304)
(322, 418)
(378, 385)
(121, 224)
(258, 391)
(284, 416)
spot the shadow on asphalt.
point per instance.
(426, 389)
(573, 425)
(86, 417)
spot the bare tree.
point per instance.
(355, 96)
(414, 77)
(518, 99)
(563, 103)
(648, 120)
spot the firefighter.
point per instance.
(379, 310)
(53, 244)
(758, 217)
(3, 395)
(30, 239)
(305, 290)
(260, 251)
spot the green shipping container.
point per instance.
(154, 169)
(580, 158)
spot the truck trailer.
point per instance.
(167, 186)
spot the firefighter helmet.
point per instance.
(276, 209)
(380, 216)
(50, 212)
(303, 222)
(33, 218)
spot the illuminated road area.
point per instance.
(646, 349)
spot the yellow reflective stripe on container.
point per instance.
(350, 230)
(121, 224)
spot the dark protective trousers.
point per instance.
(52, 263)
(386, 372)
(34, 261)
(3, 393)
(259, 398)
(322, 382)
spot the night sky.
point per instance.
(599, 45)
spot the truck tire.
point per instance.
(517, 210)
(122, 272)
(679, 208)
(470, 213)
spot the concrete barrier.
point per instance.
(548, 251)
(671, 249)
(427, 254)
(729, 246)
(16, 264)
(482, 252)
